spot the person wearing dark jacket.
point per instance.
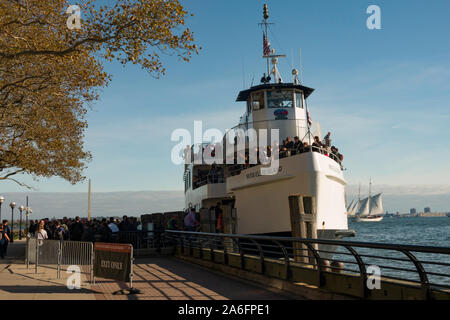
(125, 224)
(105, 232)
(7, 231)
(76, 230)
(59, 232)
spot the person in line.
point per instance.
(76, 230)
(114, 228)
(106, 231)
(189, 221)
(32, 227)
(41, 234)
(59, 231)
(124, 225)
(219, 217)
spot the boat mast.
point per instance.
(370, 194)
(266, 37)
(268, 53)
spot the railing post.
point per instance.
(58, 270)
(261, 255)
(200, 249)
(286, 259)
(27, 259)
(211, 248)
(92, 264)
(37, 256)
(320, 278)
(241, 253)
(422, 274)
(362, 271)
(225, 255)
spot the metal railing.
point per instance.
(427, 268)
(237, 168)
(60, 253)
(140, 239)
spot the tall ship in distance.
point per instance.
(369, 209)
(305, 190)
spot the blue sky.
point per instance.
(384, 94)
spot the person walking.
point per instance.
(7, 231)
(3, 241)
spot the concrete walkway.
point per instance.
(157, 278)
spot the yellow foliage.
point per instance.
(49, 74)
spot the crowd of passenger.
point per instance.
(289, 147)
(77, 229)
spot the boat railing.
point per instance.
(425, 268)
(237, 168)
(208, 179)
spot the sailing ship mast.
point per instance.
(370, 195)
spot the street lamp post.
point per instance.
(1, 201)
(20, 223)
(27, 213)
(12, 205)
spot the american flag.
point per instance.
(266, 46)
(308, 118)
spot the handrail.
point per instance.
(314, 259)
(372, 245)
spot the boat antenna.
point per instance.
(301, 66)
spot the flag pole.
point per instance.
(308, 120)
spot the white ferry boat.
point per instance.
(308, 186)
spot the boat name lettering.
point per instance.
(334, 168)
(258, 173)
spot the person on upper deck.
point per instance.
(327, 140)
(212, 174)
(316, 144)
(289, 143)
(296, 146)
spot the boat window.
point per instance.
(298, 100)
(258, 100)
(280, 98)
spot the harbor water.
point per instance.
(419, 231)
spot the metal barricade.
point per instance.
(77, 253)
(60, 254)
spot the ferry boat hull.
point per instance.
(262, 202)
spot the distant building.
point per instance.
(413, 211)
(427, 210)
